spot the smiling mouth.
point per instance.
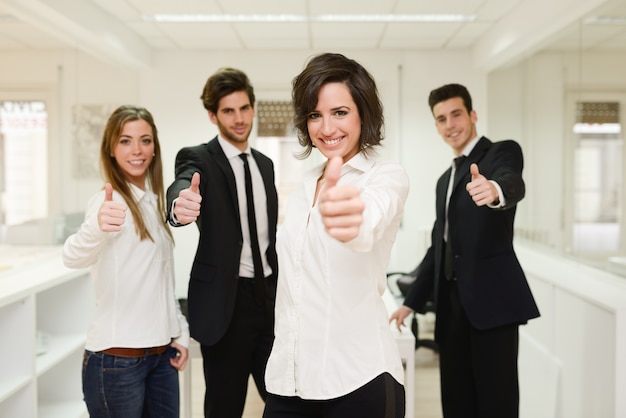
(137, 162)
(332, 141)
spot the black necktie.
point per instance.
(448, 262)
(259, 285)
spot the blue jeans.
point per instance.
(123, 387)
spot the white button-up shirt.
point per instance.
(332, 328)
(136, 306)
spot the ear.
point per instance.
(473, 116)
(212, 117)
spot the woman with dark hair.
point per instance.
(334, 355)
(137, 339)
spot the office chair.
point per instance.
(403, 281)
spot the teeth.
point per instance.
(139, 162)
(332, 141)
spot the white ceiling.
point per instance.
(503, 29)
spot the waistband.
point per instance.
(135, 352)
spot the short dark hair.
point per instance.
(336, 68)
(450, 91)
(223, 82)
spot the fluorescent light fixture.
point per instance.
(606, 20)
(291, 18)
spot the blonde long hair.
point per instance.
(114, 175)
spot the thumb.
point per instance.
(474, 171)
(333, 171)
(108, 192)
(195, 183)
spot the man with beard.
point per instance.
(232, 284)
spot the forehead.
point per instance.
(448, 106)
(335, 94)
(234, 100)
(137, 126)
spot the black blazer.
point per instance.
(491, 283)
(215, 270)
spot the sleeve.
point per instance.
(507, 173)
(82, 249)
(183, 338)
(384, 195)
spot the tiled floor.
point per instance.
(426, 389)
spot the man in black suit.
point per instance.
(232, 284)
(471, 270)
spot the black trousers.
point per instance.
(382, 397)
(478, 368)
(242, 351)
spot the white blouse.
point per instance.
(332, 327)
(136, 305)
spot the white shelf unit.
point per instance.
(47, 299)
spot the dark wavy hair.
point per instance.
(223, 82)
(114, 175)
(336, 68)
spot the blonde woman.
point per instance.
(137, 339)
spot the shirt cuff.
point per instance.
(173, 218)
(502, 201)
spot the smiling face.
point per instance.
(455, 125)
(134, 150)
(234, 118)
(335, 125)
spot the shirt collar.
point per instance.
(360, 162)
(470, 146)
(137, 193)
(229, 149)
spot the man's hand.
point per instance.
(341, 207)
(483, 192)
(187, 206)
(112, 214)
(400, 315)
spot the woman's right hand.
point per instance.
(112, 214)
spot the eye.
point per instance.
(341, 113)
(146, 141)
(313, 115)
(124, 141)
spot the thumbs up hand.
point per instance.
(187, 205)
(112, 214)
(483, 192)
(341, 207)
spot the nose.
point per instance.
(238, 116)
(327, 128)
(136, 147)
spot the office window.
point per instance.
(277, 139)
(597, 177)
(23, 162)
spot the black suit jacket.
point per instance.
(491, 283)
(215, 270)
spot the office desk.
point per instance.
(406, 346)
